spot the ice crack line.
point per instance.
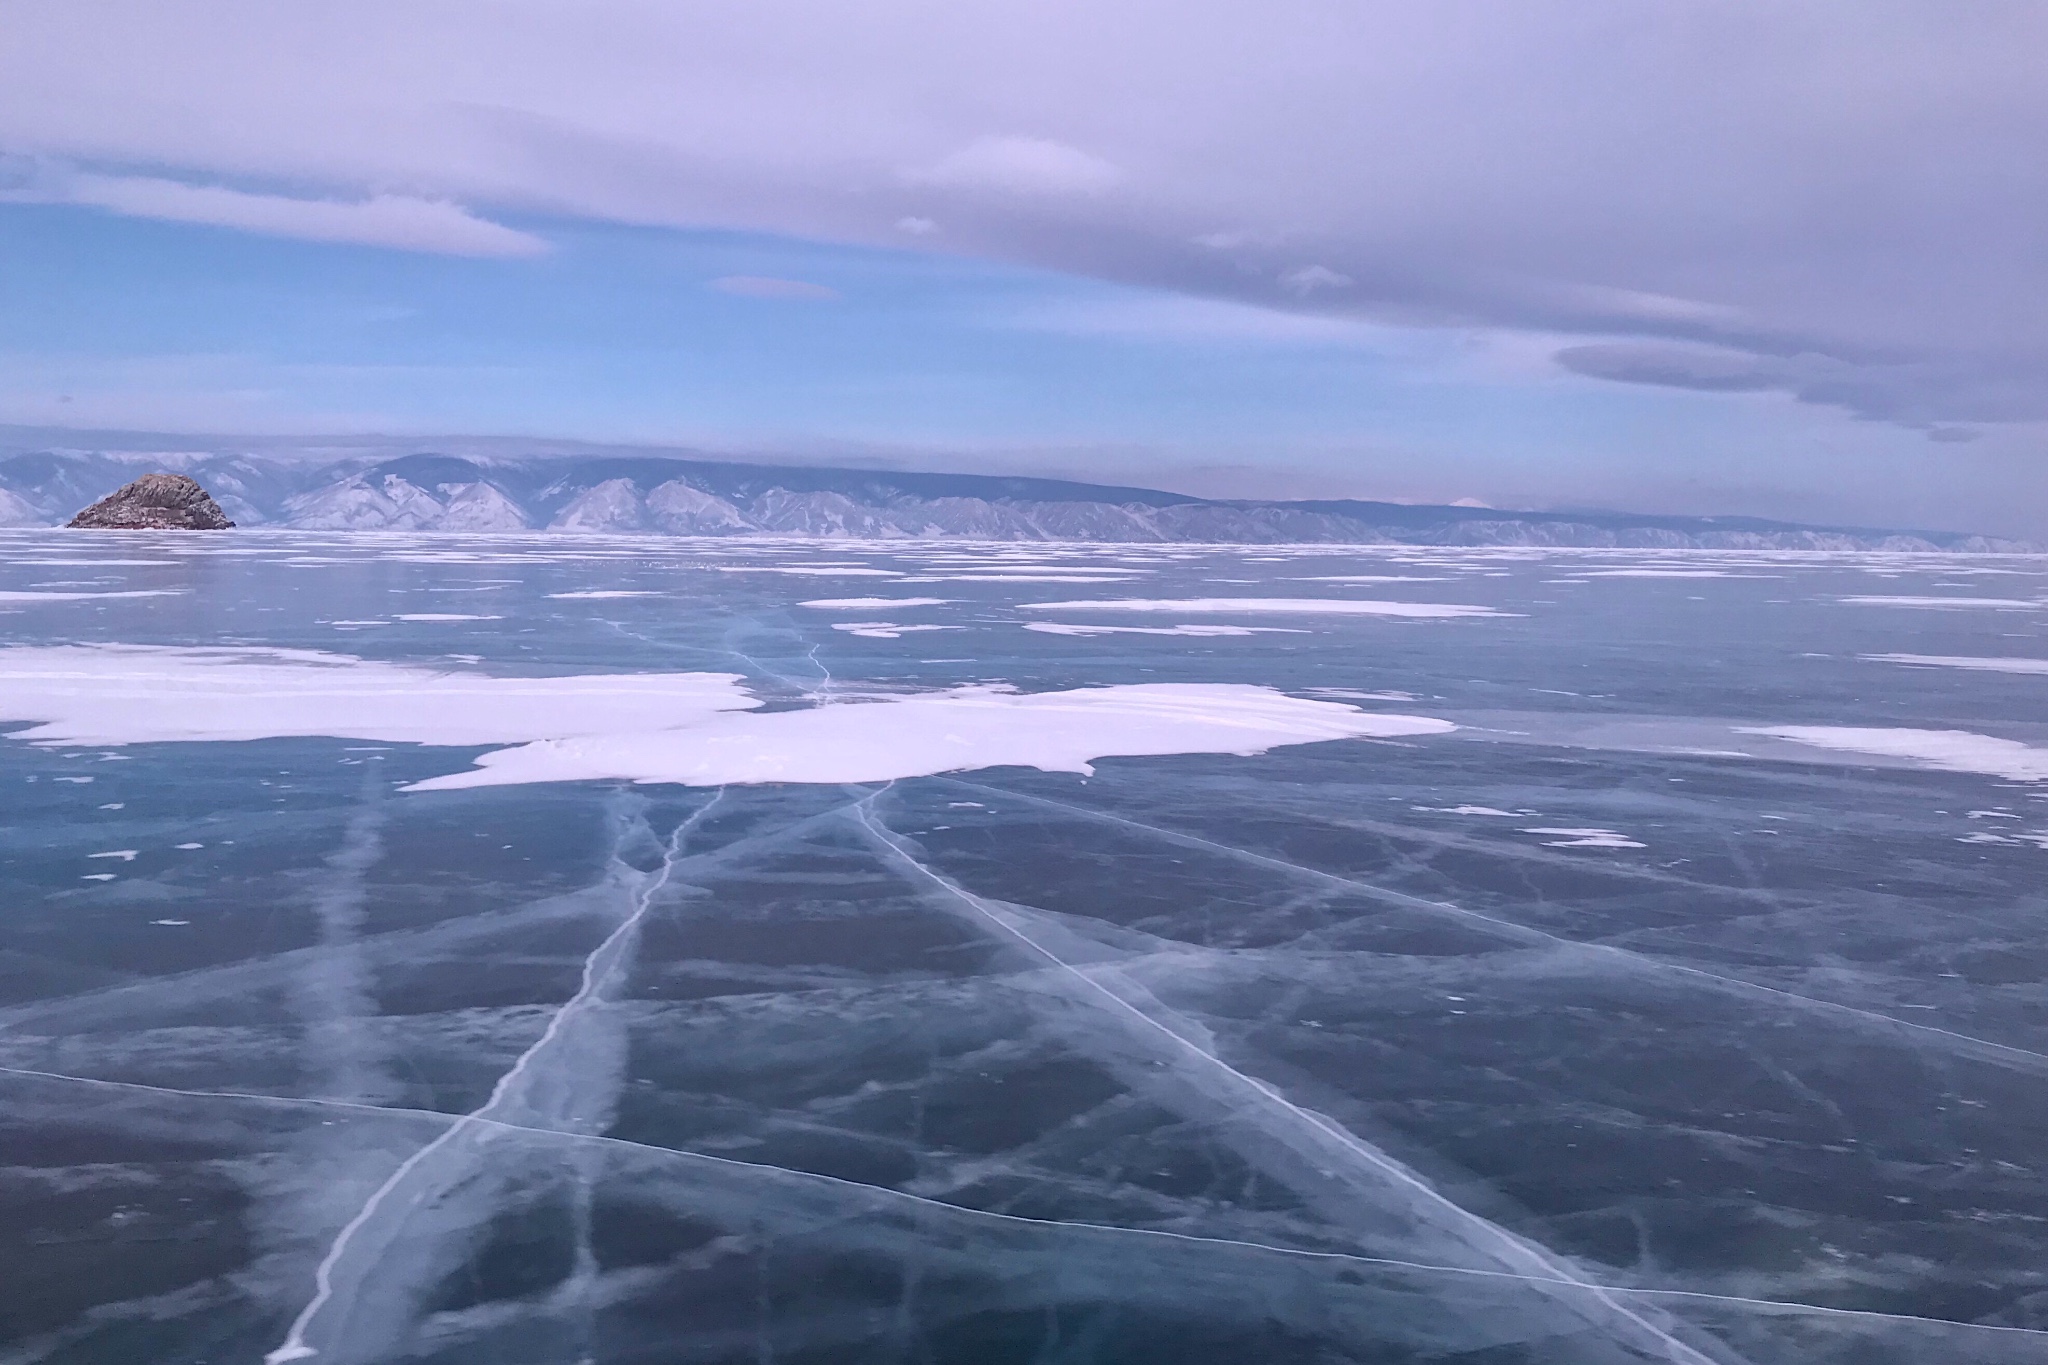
(1537, 1264)
(823, 691)
(333, 992)
(1983, 1049)
(882, 1192)
(449, 935)
(598, 971)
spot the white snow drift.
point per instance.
(1260, 606)
(132, 694)
(1957, 751)
(1995, 665)
(643, 727)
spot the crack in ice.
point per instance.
(970, 1213)
(256, 973)
(600, 968)
(1981, 1049)
(1496, 1242)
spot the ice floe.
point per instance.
(1959, 751)
(596, 593)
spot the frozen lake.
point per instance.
(558, 949)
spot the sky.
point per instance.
(1675, 257)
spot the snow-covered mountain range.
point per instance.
(428, 492)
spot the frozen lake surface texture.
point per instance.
(484, 950)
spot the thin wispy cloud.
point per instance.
(400, 222)
(1170, 318)
(771, 287)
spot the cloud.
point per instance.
(1710, 368)
(1170, 318)
(1830, 179)
(1020, 165)
(1912, 391)
(769, 287)
(395, 221)
(1310, 278)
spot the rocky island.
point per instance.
(155, 502)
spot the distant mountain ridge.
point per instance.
(677, 496)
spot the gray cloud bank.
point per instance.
(1839, 200)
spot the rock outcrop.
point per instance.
(155, 502)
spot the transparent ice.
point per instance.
(1627, 1021)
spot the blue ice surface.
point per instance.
(1591, 1032)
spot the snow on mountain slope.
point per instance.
(641, 493)
(613, 505)
(682, 510)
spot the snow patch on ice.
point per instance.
(1995, 603)
(1956, 751)
(1020, 578)
(816, 570)
(1585, 838)
(643, 727)
(1671, 573)
(884, 630)
(1063, 628)
(1961, 661)
(24, 596)
(1260, 606)
(950, 731)
(872, 603)
(1478, 810)
(2038, 839)
(135, 694)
